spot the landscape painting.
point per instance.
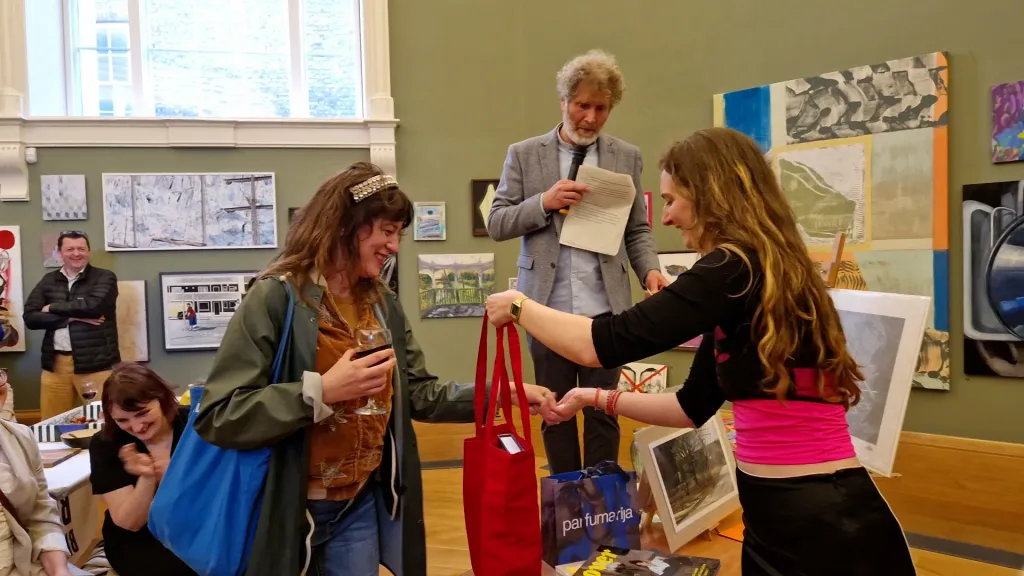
(454, 285)
(993, 214)
(63, 197)
(197, 306)
(864, 151)
(692, 477)
(132, 324)
(189, 211)
(883, 334)
(12, 293)
(1008, 122)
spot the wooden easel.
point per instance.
(830, 271)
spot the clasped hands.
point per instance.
(543, 402)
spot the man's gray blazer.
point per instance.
(531, 168)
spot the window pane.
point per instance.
(119, 39)
(225, 58)
(121, 67)
(330, 39)
(111, 10)
(103, 67)
(101, 39)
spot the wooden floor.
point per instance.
(448, 555)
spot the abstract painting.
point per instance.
(132, 324)
(1008, 122)
(429, 221)
(51, 256)
(12, 293)
(883, 334)
(64, 197)
(189, 211)
(692, 476)
(197, 307)
(672, 265)
(865, 151)
(993, 215)
(454, 285)
(646, 378)
(482, 196)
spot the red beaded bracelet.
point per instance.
(615, 403)
(609, 403)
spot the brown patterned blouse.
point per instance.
(345, 448)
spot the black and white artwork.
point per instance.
(189, 211)
(883, 334)
(901, 94)
(197, 307)
(63, 197)
(692, 476)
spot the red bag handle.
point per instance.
(500, 384)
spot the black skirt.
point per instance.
(820, 525)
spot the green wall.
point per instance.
(298, 173)
(472, 76)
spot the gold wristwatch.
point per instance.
(517, 307)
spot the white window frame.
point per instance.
(21, 132)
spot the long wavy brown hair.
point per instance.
(324, 234)
(739, 206)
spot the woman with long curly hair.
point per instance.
(343, 492)
(772, 344)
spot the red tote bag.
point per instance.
(499, 489)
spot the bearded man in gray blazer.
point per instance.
(531, 193)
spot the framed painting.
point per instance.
(692, 475)
(197, 306)
(641, 377)
(883, 334)
(12, 293)
(672, 265)
(482, 197)
(429, 221)
(132, 323)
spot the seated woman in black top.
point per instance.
(142, 424)
(772, 344)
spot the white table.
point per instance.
(68, 484)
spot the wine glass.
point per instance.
(88, 392)
(370, 340)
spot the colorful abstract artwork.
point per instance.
(12, 294)
(993, 265)
(865, 151)
(1008, 122)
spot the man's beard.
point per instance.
(575, 136)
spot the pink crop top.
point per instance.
(794, 432)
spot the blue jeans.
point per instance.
(345, 536)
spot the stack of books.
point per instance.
(606, 561)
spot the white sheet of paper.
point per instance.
(598, 222)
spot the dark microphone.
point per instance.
(579, 153)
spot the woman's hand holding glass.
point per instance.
(356, 378)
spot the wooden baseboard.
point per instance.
(958, 489)
(27, 417)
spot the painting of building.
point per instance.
(197, 307)
(189, 211)
(455, 285)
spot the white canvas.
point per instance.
(132, 325)
(12, 293)
(883, 334)
(692, 474)
(212, 296)
(675, 263)
(184, 211)
(64, 197)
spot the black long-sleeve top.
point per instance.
(717, 298)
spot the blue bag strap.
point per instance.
(285, 333)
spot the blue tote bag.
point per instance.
(582, 511)
(205, 482)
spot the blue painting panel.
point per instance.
(940, 273)
(749, 111)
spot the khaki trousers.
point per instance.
(59, 390)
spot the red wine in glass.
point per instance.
(369, 341)
(362, 353)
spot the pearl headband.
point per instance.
(371, 186)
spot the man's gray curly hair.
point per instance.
(597, 68)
